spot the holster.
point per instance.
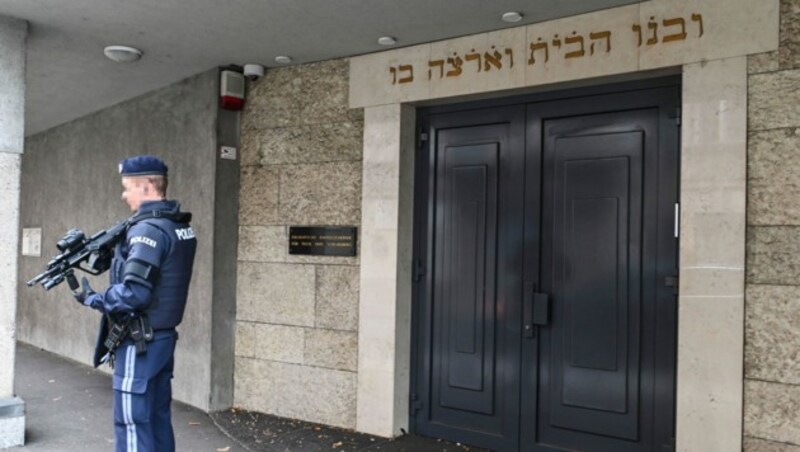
(140, 332)
(113, 332)
(101, 353)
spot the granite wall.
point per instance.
(772, 349)
(297, 316)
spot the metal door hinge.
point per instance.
(419, 270)
(672, 281)
(677, 228)
(414, 405)
(676, 115)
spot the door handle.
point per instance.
(537, 311)
(541, 309)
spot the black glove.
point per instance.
(82, 293)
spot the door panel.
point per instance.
(469, 329)
(608, 176)
(594, 269)
(466, 315)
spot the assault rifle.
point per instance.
(92, 255)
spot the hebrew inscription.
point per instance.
(455, 65)
(671, 26)
(549, 49)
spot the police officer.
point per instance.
(150, 275)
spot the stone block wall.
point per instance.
(772, 340)
(297, 316)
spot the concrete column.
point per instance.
(384, 343)
(712, 256)
(12, 133)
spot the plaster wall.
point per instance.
(70, 179)
(297, 316)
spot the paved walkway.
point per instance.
(68, 407)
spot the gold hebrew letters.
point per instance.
(436, 63)
(575, 45)
(600, 36)
(699, 19)
(575, 39)
(552, 50)
(492, 59)
(653, 25)
(539, 45)
(676, 36)
(472, 56)
(402, 68)
(638, 29)
(455, 65)
(672, 24)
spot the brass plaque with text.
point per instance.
(323, 240)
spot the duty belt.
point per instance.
(137, 327)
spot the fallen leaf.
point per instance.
(337, 444)
(224, 449)
(194, 423)
(51, 381)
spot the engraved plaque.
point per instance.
(323, 240)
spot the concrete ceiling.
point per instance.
(68, 76)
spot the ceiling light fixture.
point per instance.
(122, 54)
(283, 59)
(387, 41)
(511, 17)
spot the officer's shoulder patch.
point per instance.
(142, 239)
(185, 233)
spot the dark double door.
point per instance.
(545, 307)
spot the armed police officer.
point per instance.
(150, 274)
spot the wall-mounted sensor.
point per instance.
(253, 71)
(231, 96)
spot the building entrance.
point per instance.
(546, 284)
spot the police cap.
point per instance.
(142, 165)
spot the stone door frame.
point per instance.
(712, 255)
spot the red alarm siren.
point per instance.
(231, 96)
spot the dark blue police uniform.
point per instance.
(150, 276)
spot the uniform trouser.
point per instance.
(143, 395)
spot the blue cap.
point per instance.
(142, 165)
